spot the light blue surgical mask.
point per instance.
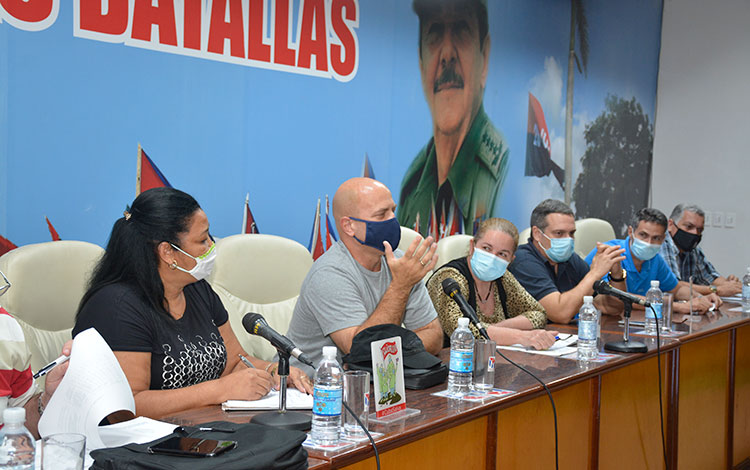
(560, 250)
(642, 250)
(486, 266)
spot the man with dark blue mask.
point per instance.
(549, 269)
(685, 258)
(363, 281)
(643, 263)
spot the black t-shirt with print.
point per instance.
(184, 352)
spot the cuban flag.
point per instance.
(367, 169)
(330, 232)
(148, 175)
(316, 241)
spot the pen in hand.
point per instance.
(44, 370)
(246, 361)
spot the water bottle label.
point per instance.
(587, 330)
(462, 361)
(745, 292)
(657, 309)
(327, 400)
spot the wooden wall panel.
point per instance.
(461, 447)
(525, 432)
(742, 396)
(703, 396)
(629, 426)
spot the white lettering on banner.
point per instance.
(29, 15)
(244, 32)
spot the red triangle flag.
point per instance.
(316, 241)
(248, 220)
(148, 175)
(52, 231)
(6, 245)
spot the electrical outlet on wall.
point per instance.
(730, 219)
(718, 219)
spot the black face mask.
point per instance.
(686, 241)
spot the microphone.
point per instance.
(601, 287)
(255, 324)
(452, 290)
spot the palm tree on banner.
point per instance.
(578, 28)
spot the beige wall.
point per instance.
(702, 143)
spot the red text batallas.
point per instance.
(319, 39)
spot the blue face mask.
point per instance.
(642, 250)
(379, 232)
(560, 250)
(486, 266)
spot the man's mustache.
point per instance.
(448, 76)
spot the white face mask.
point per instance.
(204, 263)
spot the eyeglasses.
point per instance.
(7, 285)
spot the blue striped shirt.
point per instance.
(691, 262)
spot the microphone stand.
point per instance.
(282, 418)
(626, 345)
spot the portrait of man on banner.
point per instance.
(462, 167)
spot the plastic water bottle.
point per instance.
(746, 291)
(328, 392)
(654, 297)
(462, 359)
(588, 327)
(17, 445)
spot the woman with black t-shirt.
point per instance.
(149, 299)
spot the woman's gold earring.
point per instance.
(173, 265)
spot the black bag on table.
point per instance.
(421, 369)
(258, 447)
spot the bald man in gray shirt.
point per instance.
(361, 282)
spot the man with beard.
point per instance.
(683, 256)
(461, 168)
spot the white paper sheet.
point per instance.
(93, 387)
(139, 431)
(135, 431)
(560, 348)
(295, 400)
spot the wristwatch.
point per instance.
(614, 279)
(713, 288)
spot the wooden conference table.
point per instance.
(608, 413)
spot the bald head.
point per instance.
(364, 198)
(355, 193)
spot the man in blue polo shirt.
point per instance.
(549, 269)
(643, 263)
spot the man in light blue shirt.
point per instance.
(643, 263)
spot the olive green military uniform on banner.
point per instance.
(475, 177)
